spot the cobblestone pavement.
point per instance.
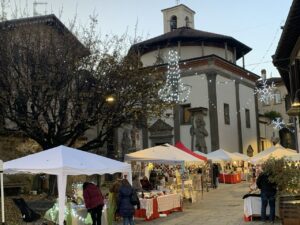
(222, 206)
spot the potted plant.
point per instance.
(286, 174)
(272, 115)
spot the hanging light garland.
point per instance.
(54, 211)
(174, 90)
(76, 187)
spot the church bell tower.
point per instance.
(177, 17)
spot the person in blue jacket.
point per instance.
(125, 205)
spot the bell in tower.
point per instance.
(177, 17)
(173, 23)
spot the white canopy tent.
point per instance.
(63, 161)
(243, 156)
(295, 157)
(276, 151)
(162, 154)
(222, 155)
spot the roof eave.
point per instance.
(293, 19)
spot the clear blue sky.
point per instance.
(256, 23)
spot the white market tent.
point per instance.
(243, 156)
(63, 161)
(222, 155)
(276, 151)
(294, 157)
(162, 154)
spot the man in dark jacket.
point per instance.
(215, 173)
(94, 201)
(268, 192)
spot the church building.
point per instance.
(221, 110)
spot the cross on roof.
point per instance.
(177, 2)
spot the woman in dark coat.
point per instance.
(125, 206)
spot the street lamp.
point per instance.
(295, 107)
(296, 102)
(110, 99)
(2, 192)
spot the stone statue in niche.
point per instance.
(126, 142)
(200, 132)
(250, 151)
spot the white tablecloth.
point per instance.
(168, 202)
(252, 206)
(147, 204)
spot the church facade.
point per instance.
(221, 110)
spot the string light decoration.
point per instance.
(174, 91)
(265, 92)
(54, 212)
(76, 188)
(278, 123)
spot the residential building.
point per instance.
(274, 110)
(287, 61)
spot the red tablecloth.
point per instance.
(230, 178)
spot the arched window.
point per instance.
(173, 23)
(187, 22)
(277, 97)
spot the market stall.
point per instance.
(165, 159)
(200, 180)
(230, 178)
(228, 162)
(243, 167)
(151, 208)
(252, 206)
(276, 151)
(63, 161)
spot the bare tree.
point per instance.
(54, 89)
(3, 13)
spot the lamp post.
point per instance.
(2, 193)
(295, 111)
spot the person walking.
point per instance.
(127, 200)
(94, 201)
(113, 201)
(215, 173)
(268, 192)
